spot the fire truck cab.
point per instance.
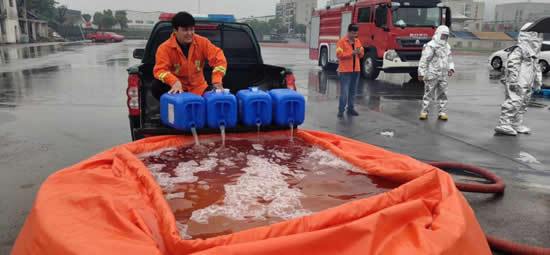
(393, 33)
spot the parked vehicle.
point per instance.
(392, 32)
(498, 59)
(105, 37)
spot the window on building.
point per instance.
(150, 22)
(467, 10)
(130, 21)
(364, 15)
(2, 27)
(11, 3)
(139, 21)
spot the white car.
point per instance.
(498, 58)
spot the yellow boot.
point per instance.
(423, 116)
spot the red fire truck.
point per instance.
(392, 32)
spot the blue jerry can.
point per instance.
(182, 111)
(289, 107)
(255, 107)
(221, 109)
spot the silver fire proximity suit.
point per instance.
(434, 66)
(521, 77)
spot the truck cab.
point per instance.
(245, 69)
(393, 33)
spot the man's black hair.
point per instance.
(353, 27)
(183, 19)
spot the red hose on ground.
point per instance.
(497, 186)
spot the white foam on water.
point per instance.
(262, 191)
(164, 180)
(258, 147)
(186, 171)
(207, 165)
(320, 173)
(281, 155)
(155, 153)
(213, 154)
(326, 158)
(183, 229)
(226, 162)
(178, 195)
(156, 167)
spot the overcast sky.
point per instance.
(240, 8)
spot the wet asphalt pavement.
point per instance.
(62, 104)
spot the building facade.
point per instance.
(9, 22)
(17, 25)
(467, 15)
(293, 12)
(510, 16)
(142, 20)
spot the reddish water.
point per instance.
(250, 183)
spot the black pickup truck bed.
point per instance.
(245, 69)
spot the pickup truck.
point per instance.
(245, 69)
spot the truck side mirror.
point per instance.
(448, 17)
(139, 53)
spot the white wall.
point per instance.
(11, 22)
(303, 11)
(148, 19)
(12, 31)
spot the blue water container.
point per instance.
(289, 107)
(255, 107)
(221, 109)
(182, 111)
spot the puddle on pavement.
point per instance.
(9, 54)
(215, 190)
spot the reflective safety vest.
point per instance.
(347, 61)
(171, 65)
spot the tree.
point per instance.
(98, 20)
(104, 20)
(300, 29)
(275, 25)
(61, 14)
(43, 8)
(87, 17)
(121, 18)
(260, 28)
(282, 30)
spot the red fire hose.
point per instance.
(496, 186)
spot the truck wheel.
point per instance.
(370, 71)
(323, 58)
(544, 67)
